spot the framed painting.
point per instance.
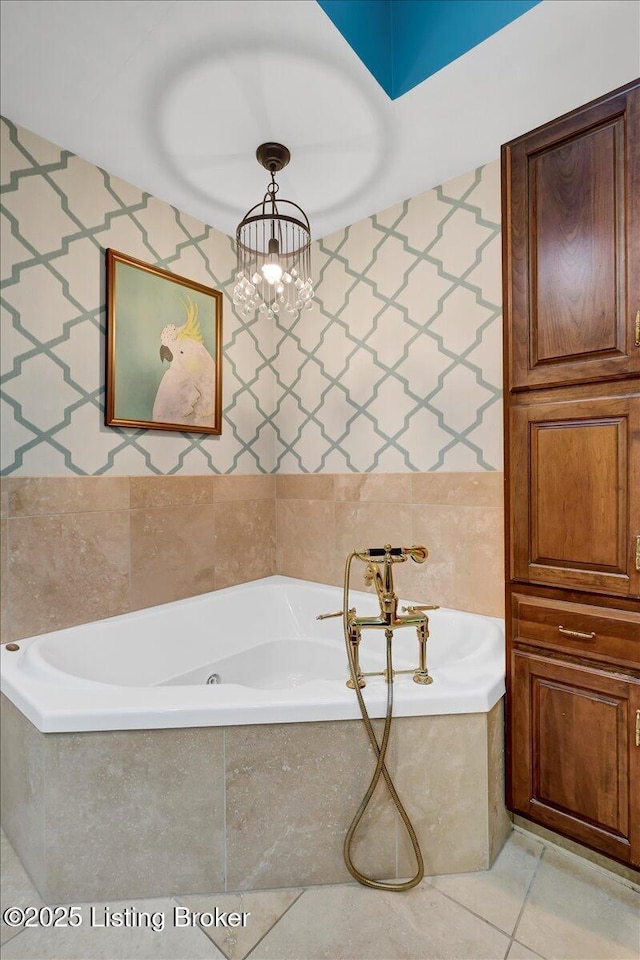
(164, 349)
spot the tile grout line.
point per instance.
(274, 924)
(448, 896)
(526, 899)
(579, 858)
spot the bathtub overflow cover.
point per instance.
(214, 678)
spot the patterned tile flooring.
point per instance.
(536, 902)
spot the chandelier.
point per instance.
(273, 243)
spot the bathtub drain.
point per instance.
(214, 678)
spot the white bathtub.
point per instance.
(277, 664)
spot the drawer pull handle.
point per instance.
(637, 728)
(576, 634)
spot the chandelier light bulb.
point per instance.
(272, 271)
(273, 246)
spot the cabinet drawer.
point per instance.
(587, 631)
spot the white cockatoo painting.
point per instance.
(186, 393)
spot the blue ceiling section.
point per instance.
(402, 42)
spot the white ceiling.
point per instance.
(175, 95)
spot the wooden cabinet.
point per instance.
(577, 766)
(571, 255)
(572, 251)
(575, 495)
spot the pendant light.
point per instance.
(273, 243)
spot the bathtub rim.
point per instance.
(48, 708)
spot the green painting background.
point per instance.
(145, 303)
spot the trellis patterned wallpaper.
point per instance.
(402, 368)
(59, 214)
(396, 369)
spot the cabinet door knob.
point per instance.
(576, 634)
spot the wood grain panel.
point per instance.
(573, 510)
(571, 765)
(576, 226)
(571, 259)
(584, 782)
(583, 630)
(575, 493)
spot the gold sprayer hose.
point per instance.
(380, 750)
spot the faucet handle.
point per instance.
(419, 607)
(327, 616)
(417, 553)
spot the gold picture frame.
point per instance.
(164, 349)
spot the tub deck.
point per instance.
(275, 661)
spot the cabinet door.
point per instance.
(574, 477)
(571, 210)
(574, 763)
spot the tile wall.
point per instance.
(458, 516)
(93, 815)
(81, 549)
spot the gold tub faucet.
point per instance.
(379, 572)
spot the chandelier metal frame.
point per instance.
(273, 244)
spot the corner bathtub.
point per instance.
(124, 774)
(275, 661)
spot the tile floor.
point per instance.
(537, 901)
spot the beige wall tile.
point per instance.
(379, 487)
(4, 498)
(245, 541)
(480, 489)
(35, 496)
(292, 790)
(465, 569)
(4, 583)
(306, 540)
(442, 778)
(305, 486)
(156, 794)
(67, 569)
(172, 553)
(170, 491)
(500, 825)
(248, 487)
(370, 525)
(22, 788)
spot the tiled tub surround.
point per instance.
(77, 549)
(149, 813)
(458, 516)
(231, 810)
(82, 549)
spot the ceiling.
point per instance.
(402, 42)
(175, 95)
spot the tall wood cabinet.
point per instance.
(571, 262)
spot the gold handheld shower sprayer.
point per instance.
(379, 572)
